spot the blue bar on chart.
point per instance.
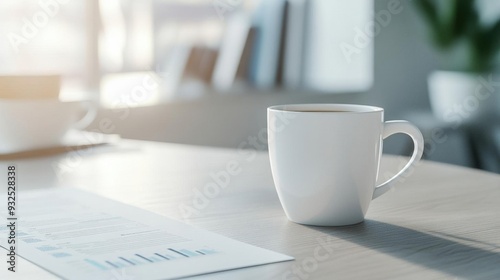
(208, 251)
(127, 261)
(165, 256)
(178, 253)
(136, 261)
(189, 253)
(144, 258)
(96, 264)
(112, 264)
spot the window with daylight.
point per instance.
(44, 37)
(113, 50)
(96, 44)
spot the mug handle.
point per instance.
(89, 117)
(393, 127)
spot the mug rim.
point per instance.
(307, 108)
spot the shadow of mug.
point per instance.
(454, 255)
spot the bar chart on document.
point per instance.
(144, 258)
(77, 235)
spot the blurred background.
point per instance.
(203, 72)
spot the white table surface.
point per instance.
(440, 222)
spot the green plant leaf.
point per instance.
(457, 23)
(465, 16)
(428, 10)
(493, 36)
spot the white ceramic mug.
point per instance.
(43, 123)
(325, 159)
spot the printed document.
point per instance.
(78, 235)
